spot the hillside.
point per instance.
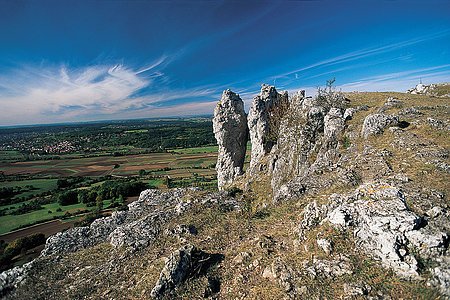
(345, 197)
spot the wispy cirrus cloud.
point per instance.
(400, 81)
(160, 61)
(363, 53)
(54, 94)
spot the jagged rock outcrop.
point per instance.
(384, 226)
(349, 112)
(386, 229)
(300, 131)
(308, 143)
(179, 266)
(134, 228)
(333, 124)
(230, 130)
(264, 117)
(10, 279)
(376, 123)
(434, 90)
(419, 89)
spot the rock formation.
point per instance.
(357, 206)
(134, 228)
(264, 119)
(179, 266)
(387, 229)
(419, 89)
(11, 279)
(230, 130)
(308, 140)
(376, 123)
(384, 226)
(434, 90)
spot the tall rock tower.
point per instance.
(264, 120)
(230, 130)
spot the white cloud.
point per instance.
(400, 81)
(155, 64)
(45, 95)
(363, 53)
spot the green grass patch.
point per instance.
(197, 150)
(12, 222)
(39, 186)
(157, 182)
(8, 155)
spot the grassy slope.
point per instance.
(267, 234)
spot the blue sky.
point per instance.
(63, 61)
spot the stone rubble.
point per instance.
(326, 245)
(328, 268)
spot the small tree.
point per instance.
(328, 97)
(99, 202)
(68, 198)
(62, 183)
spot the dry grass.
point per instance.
(267, 232)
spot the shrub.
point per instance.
(18, 246)
(68, 198)
(233, 191)
(328, 97)
(346, 143)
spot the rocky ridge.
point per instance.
(346, 195)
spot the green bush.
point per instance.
(68, 198)
(21, 245)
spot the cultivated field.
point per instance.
(201, 157)
(179, 164)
